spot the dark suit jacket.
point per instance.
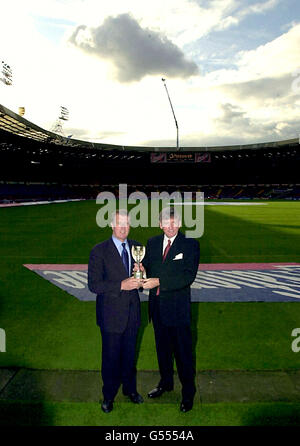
(105, 274)
(175, 276)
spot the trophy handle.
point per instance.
(142, 252)
(133, 252)
(142, 255)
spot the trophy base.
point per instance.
(138, 275)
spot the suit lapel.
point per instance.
(130, 243)
(160, 245)
(175, 245)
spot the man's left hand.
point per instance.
(151, 283)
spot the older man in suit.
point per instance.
(171, 262)
(117, 310)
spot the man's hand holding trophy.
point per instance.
(138, 253)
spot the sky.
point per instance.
(232, 69)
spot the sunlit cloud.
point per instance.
(109, 75)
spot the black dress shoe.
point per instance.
(107, 406)
(158, 391)
(136, 398)
(186, 405)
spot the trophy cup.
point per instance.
(138, 253)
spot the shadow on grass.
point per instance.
(273, 414)
(233, 239)
(16, 405)
(16, 413)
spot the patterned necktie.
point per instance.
(167, 249)
(125, 258)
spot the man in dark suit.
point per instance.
(171, 262)
(117, 310)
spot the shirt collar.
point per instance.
(118, 242)
(166, 239)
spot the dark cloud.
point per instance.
(243, 129)
(271, 89)
(232, 113)
(135, 51)
(235, 127)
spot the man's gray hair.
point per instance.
(168, 213)
(121, 212)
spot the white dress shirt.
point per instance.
(119, 247)
(165, 243)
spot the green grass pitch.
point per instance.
(48, 328)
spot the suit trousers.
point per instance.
(175, 341)
(118, 359)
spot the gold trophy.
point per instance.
(138, 253)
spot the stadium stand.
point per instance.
(36, 164)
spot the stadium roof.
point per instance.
(16, 124)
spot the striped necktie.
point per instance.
(167, 249)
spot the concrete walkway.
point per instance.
(212, 386)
